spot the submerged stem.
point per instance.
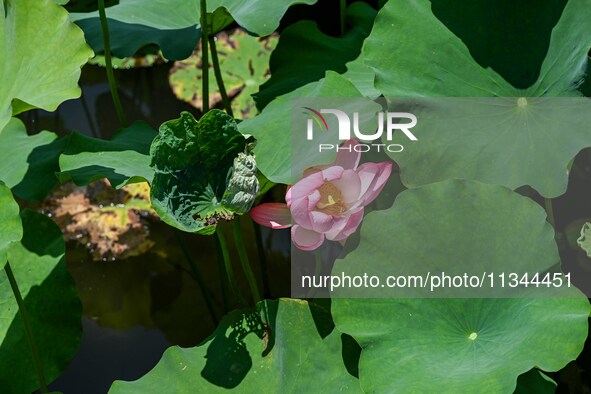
(109, 64)
(28, 332)
(221, 238)
(198, 277)
(204, 57)
(549, 210)
(218, 76)
(262, 259)
(343, 19)
(318, 266)
(252, 282)
(222, 274)
(318, 263)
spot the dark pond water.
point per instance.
(135, 308)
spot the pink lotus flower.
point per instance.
(328, 202)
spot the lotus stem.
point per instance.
(549, 210)
(318, 265)
(223, 275)
(223, 244)
(198, 277)
(343, 19)
(252, 283)
(204, 56)
(218, 76)
(27, 325)
(262, 258)
(109, 64)
(319, 262)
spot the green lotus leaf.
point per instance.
(472, 228)
(305, 53)
(122, 160)
(282, 155)
(362, 76)
(174, 25)
(504, 141)
(584, 240)
(194, 164)
(259, 17)
(30, 78)
(276, 348)
(451, 345)
(585, 87)
(133, 24)
(11, 229)
(29, 162)
(443, 48)
(426, 345)
(52, 304)
(244, 61)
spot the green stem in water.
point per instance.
(204, 56)
(343, 9)
(218, 76)
(318, 267)
(221, 238)
(317, 271)
(222, 274)
(252, 282)
(28, 332)
(109, 64)
(262, 259)
(198, 277)
(549, 210)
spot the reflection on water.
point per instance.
(144, 92)
(137, 307)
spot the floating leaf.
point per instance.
(305, 53)
(450, 345)
(282, 155)
(193, 163)
(125, 159)
(29, 162)
(52, 304)
(584, 240)
(276, 348)
(147, 60)
(111, 223)
(11, 229)
(244, 61)
(30, 77)
(444, 48)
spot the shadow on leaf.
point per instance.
(228, 359)
(508, 36)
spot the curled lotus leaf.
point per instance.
(199, 173)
